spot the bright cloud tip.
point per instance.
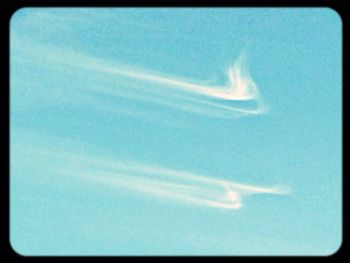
(241, 86)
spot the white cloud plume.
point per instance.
(180, 186)
(225, 101)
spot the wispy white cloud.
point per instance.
(164, 183)
(239, 87)
(221, 101)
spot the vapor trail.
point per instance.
(223, 101)
(176, 185)
(239, 88)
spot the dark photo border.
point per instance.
(9, 7)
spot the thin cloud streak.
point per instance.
(240, 88)
(163, 183)
(182, 187)
(189, 96)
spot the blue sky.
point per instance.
(175, 131)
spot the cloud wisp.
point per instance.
(193, 97)
(239, 96)
(240, 88)
(164, 183)
(132, 176)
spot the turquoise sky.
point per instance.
(207, 131)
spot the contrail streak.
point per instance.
(169, 91)
(240, 87)
(176, 185)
